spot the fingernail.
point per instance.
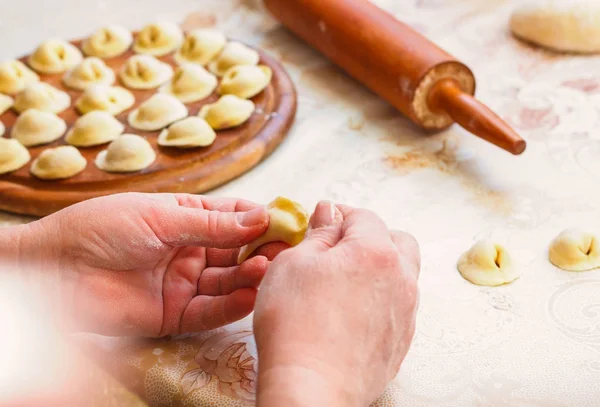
(254, 217)
(324, 215)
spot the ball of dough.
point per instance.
(14, 76)
(570, 26)
(35, 127)
(201, 46)
(574, 250)
(111, 99)
(58, 163)
(145, 72)
(91, 71)
(188, 133)
(6, 102)
(245, 81)
(41, 96)
(288, 222)
(234, 54)
(93, 129)
(54, 56)
(158, 39)
(157, 113)
(487, 264)
(13, 155)
(191, 83)
(108, 42)
(227, 112)
(128, 153)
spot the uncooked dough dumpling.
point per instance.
(288, 222)
(58, 163)
(158, 39)
(191, 83)
(91, 71)
(13, 155)
(14, 76)
(188, 133)
(54, 56)
(145, 72)
(35, 127)
(245, 81)
(233, 54)
(128, 153)
(227, 112)
(488, 264)
(201, 46)
(157, 113)
(111, 99)
(570, 26)
(574, 250)
(41, 96)
(108, 42)
(6, 102)
(94, 128)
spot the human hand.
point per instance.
(335, 315)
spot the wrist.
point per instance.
(26, 248)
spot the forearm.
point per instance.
(27, 247)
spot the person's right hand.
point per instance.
(335, 315)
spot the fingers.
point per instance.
(363, 225)
(271, 250)
(215, 203)
(325, 228)
(222, 281)
(408, 248)
(207, 312)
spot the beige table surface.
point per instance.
(533, 343)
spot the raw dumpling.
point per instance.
(6, 102)
(233, 54)
(201, 46)
(191, 83)
(111, 99)
(35, 127)
(41, 96)
(91, 71)
(158, 39)
(58, 163)
(157, 112)
(145, 72)
(245, 81)
(108, 42)
(188, 133)
(487, 264)
(93, 129)
(288, 223)
(14, 76)
(54, 56)
(13, 155)
(128, 153)
(229, 111)
(574, 250)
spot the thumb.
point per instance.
(325, 227)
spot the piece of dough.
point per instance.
(574, 250)
(487, 264)
(13, 155)
(233, 54)
(145, 72)
(570, 26)
(191, 83)
(227, 112)
(91, 71)
(108, 42)
(41, 96)
(93, 129)
(54, 56)
(128, 153)
(157, 113)
(111, 99)
(188, 133)
(58, 163)
(245, 81)
(201, 46)
(14, 76)
(35, 127)
(6, 102)
(288, 222)
(158, 39)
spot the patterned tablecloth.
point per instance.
(533, 343)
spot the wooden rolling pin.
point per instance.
(417, 77)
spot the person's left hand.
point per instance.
(151, 265)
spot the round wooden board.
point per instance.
(234, 152)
